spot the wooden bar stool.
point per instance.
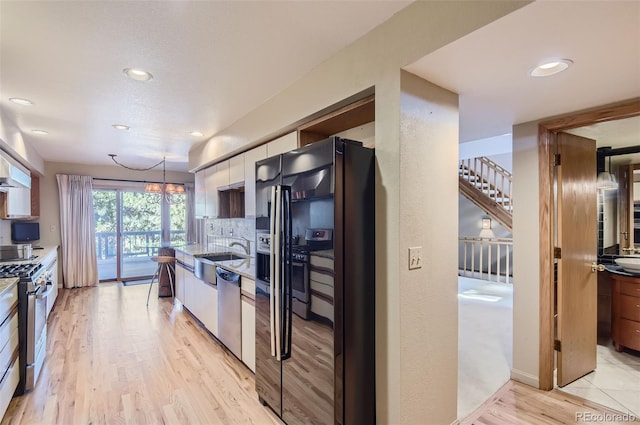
(163, 262)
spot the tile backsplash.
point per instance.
(221, 232)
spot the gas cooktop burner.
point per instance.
(19, 270)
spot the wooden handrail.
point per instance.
(489, 186)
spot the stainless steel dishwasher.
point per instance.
(229, 313)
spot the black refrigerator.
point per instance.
(315, 283)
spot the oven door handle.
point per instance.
(41, 295)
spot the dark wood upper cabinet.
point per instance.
(345, 118)
(231, 203)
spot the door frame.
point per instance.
(546, 139)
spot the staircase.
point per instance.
(488, 185)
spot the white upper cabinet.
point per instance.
(18, 202)
(250, 158)
(236, 169)
(283, 144)
(211, 192)
(200, 194)
(221, 178)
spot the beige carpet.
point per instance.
(485, 341)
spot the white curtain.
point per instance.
(79, 265)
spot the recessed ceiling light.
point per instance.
(121, 127)
(550, 67)
(196, 134)
(19, 101)
(137, 74)
(40, 132)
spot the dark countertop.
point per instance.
(613, 268)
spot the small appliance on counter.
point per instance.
(18, 252)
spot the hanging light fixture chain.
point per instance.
(113, 157)
(166, 190)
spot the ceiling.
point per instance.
(214, 61)
(489, 67)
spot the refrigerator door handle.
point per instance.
(288, 272)
(278, 269)
(272, 217)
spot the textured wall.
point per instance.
(526, 260)
(429, 153)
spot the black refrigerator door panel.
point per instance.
(268, 372)
(267, 176)
(327, 372)
(307, 376)
(309, 170)
(355, 276)
(268, 379)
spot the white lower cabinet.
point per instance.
(249, 334)
(9, 359)
(202, 301)
(181, 272)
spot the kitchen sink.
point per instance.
(223, 256)
(205, 267)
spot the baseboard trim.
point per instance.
(525, 378)
(456, 422)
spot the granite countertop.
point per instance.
(192, 249)
(244, 267)
(37, 255)
(7, 283)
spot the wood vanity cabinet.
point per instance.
(626, 312)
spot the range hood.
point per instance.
(12, 176)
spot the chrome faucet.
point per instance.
(246, 247)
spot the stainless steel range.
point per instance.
(33, 288)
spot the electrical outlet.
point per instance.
(415, 257)
(52, 228)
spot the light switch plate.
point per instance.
(415, 257)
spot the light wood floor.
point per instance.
(110, 360)
(516, 403)
(113, 361)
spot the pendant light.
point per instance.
(165, 189)
(606, 180)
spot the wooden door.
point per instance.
(577, 238)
